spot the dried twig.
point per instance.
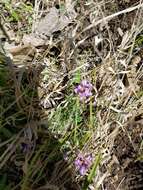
(4, 31)
(104, 20)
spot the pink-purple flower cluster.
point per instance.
(83, 163)
(84, 90)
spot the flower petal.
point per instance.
(83, 170)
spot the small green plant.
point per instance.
(3, 183)
(18, 13)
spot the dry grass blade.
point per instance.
(110, 17)
(75, 88)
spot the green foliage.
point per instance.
(93, 172)
(139, 41)
(3, 76)
(3, 183)
(77, 77)
(20, 12)
(62, 7)
(17, 11)
(140, 94)
(47, 154)
(94, 168)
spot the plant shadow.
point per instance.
(30, 155)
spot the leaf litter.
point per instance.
(64, 42)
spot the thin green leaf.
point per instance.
(92, 173)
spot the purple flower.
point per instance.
(25, 147)
(83, 163)
(84, 90)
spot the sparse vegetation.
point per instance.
(71, 93)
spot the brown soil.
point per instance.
(127, 172)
